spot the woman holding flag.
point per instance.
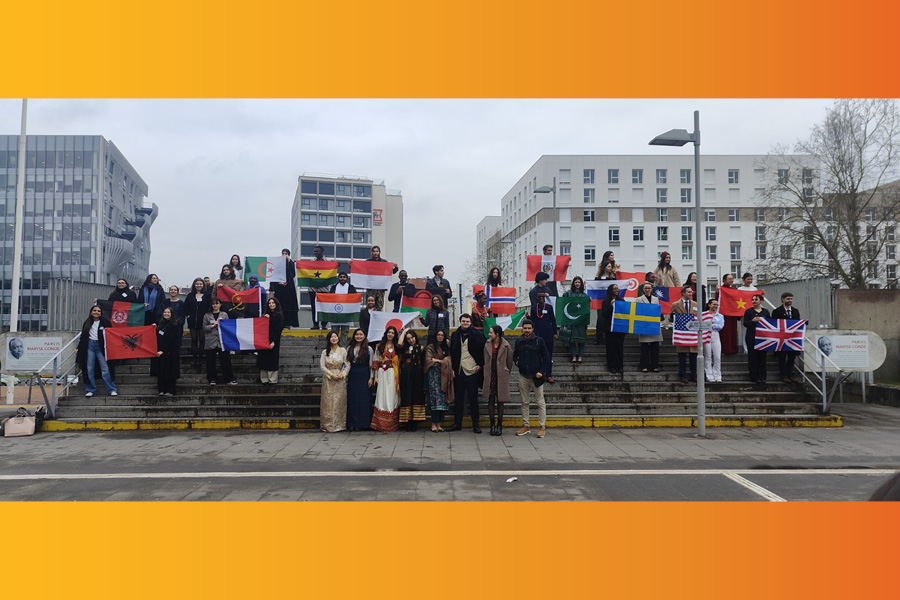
(168, 346)
(334, 365)
(578, 333)
(359, 382)
(267, 360)
(615, 341)
(151, 295)
(386, 368)
(729, 333)
(286, 292)
(649, 343)
(91, 349)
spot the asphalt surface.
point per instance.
(771, 464)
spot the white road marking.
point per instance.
(753, 487)
(734, 474)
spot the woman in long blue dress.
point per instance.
(359, 382)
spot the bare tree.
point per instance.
(831, 205)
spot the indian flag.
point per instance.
(506, 321)
(268, 269)
(419, 304)
(316, 273)
(338, 308)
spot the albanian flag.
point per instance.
(130, 342)
(123, 314)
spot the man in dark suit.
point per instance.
(686, 353)
(467, 357)
(786, 358)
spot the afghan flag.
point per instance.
(370, 274)
(316, 274)
(247, 303)
(418, 303)
(572, 311)
(734, 303)
(500, 300)
(268, 269)
(635, 317)
(123, 314)
(379, 321)
(554, 266)
(506, 321)
(338, 308)
(130, 342)
(244, 334)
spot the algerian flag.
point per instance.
(573, 311)
(505, 321)
(269, 269)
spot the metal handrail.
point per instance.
(823, 379)
(55, 392)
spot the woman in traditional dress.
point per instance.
(438, 379)
(577, 333)
(333, 406)
(267, 360)
(359, 382)
(498, 362)
(286, 292)
(386, 365)
(168, 345)
(729, 334)
(412, 394)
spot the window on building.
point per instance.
(736, 251)
(807, 176)
(687, 215)
(660, 176)
(783, 176)
(342, 189)
(686, 195)
(589, 197)
(736, 267)
(869, 213)
(687, 234)
(761, 252)
(734, 176)
(306, 187)
(662, 234)
(734, 214)
(307, 218)
(807, 194)
(565, 249)
(785, 251)
(589, 216)
(612, 194)
(711, 253)
(589, 176)
(326, 220)
(873, 271)
(308, 235)
(870, 231)
(662, 195)
(345, 205)
(871, 249)
(687, 252)
(890, 273)
(326, 204)
(685, 176)
(637, 234)
(565, 176)
(637, 176)
(590, 253)
(761, 233)
(362, 191)
(890, 252)
(365, 222)
(614, 234)
(830, 233)
(612, 176)
(809, 250)
(662, 215)
(709, 215)
(783, 214)
(710, 234)
(760, 215)
(889, 234)
(306, 202)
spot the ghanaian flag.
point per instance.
(316, 273)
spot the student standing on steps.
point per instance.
(532, 359)
(213, 347)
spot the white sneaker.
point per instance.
(89, 395)
(114, 393)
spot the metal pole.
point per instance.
(555, 249)
(701, 391)
(17, 247)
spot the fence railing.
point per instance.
(68, 303)
(62, 369)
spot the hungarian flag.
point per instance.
(734, 303)
(506, 321)
(572, 311)
(500, 300)
(418, 303)
(130, 342)
(370, 274)
(666, 296)
(244, 334)
(123, 314)
(269, 269)
(554, 266)
(246, 303)
(596, 290)
(316, 274)
(379, 321)
(338, 308)
(635, 317)
(780, 335)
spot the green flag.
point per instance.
(573, 311)
(505, 321)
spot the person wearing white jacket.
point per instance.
(712, 352)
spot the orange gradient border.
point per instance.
(419, 49)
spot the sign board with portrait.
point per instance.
(849, 350)
(27, 354)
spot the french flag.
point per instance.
(244, 334)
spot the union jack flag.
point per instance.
(779, 335)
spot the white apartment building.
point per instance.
(636, 206)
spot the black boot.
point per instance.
(493, 427)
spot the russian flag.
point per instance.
(596, 290)
(244, 334)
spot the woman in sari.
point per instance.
(333, 406)
(438, 379)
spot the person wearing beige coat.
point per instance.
(649, 343)
(498, 362)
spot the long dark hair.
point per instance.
(688, 280)
(431, 307)
(601, 270)
(149, 283)
(328, 343)
(491, 280)
(277, 310)
(610, 298)
(581, 281)
(445, 345)
(202, 286)
(163, 321)
(383, 343)
(222, 273)
(237, 267)
(86, 327)
(662, 261)
(352, 345)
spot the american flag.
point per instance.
(778, 335)
(681, 336)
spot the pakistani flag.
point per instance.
(505, 321)
(269, 269)
(572, 311)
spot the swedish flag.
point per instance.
(634, 317)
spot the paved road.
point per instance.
(846, 463)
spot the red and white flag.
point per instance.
(379, 321)
(500, 300)
(130, 342)
(554, 266)
(371, 274)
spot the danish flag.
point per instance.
(780, 335)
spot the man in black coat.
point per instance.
(343, 286)
(786, 358)
(467, 357)
(402, 288)
(533, 360)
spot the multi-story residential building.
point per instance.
(347, 216)
(84, 218)
(636, 206)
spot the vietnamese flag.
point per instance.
(130, 342)
(734, 303)
(123, 314)
(419, 303)
(554, 266)
(371, 274)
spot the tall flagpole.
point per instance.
(17, 250)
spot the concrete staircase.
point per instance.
(585, 395)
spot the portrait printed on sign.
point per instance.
(26, 354)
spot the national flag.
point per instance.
(631, 282)
(636, 317)
(506, 321)
(418, 303)
(779, 335)
(123, 314)
(554, 266)
(681, 335)
(596, 290)
(338, 308)
(268, 269)
(370, 274)
(734, 303)
(130, 342)
(316, 274)
(244, 334)
(500, 300)
(247, 302)
(572, 311)
(666, 296)
(380, 320)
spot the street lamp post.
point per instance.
(680, 137)
(544, 189)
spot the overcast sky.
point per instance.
(224, 172)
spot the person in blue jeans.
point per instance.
(91, 349)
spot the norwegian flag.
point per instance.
(681, 335)
(780, 335)
(500, 300)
